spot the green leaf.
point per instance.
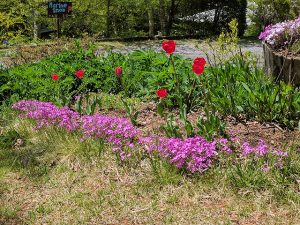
(240, 108)
(246, 87)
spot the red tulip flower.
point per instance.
(118, 71)
(169, 46)
(162, 93)
(198, 69)
(199, 65)
(200, 61)
(55, 77)
(79, 74)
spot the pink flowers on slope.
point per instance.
(117, 131)
(47, 114)
(261, 149)
(193, 154)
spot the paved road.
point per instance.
(186, 48)
(196, 49)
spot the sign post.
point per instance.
(58, 25)
(60, 10)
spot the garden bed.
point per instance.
(246, 130)
(172, 120)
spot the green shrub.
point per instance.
(143, 73)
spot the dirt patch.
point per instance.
(150, 123)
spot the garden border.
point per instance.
(282, 67)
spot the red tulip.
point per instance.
(169, 46)
(118, 71)
(55, 77)
(79, 74)
(198, 65)
(162, 93)
(198, 69)
(200, 61)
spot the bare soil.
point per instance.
(247, 131)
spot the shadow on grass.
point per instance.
(24, 161)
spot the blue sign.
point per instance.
(62, 8)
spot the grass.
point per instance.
(53, 178)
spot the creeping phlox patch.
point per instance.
(194, 154)
(117, 131)
(48, 114)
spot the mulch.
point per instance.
(277, 137)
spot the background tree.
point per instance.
(149, 5)
(22, 19)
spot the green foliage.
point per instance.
(270, 172)
(228, 42)
(164, 173)
(234, 86)
(210, 127)
(171, 128)
(143, 73)
(247, 176)
(240, 90)
(131, 112)
(12, 23)
(189, 129)
(295, 48)
(115, 102)
(86, 104)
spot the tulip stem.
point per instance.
(177, 80)
(188, 100)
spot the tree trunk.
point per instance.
(217, 17)
(108, 18)
(150, 18)
(171, 17)
(162, 17)
(35, 26)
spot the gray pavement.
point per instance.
(196, 49)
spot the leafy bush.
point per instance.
(239, 90)
(144, 72)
